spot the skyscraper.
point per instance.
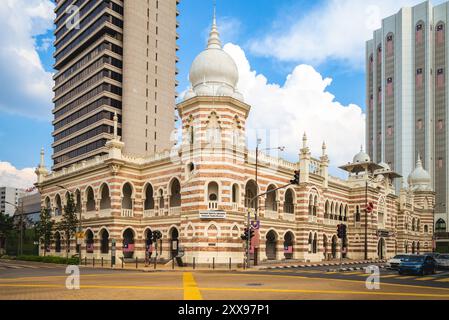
(407, 96)
(113, 56)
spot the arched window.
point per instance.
(58, 211)
(288, 202)
(440, 226)
(326, 210)
(357, 214)
(341, 213)
(270, 201)
(310, 205)
(212, 195)
(128, 243)
(235, 193)
(315, 243)
(127, 202)
(104, 238)
(175, 194)
(413, 224)
(149, 199)
(89, 241)
(250, 192)
(161, 199)
(310, 242)
(90, 205)
(78, 200)
(48, 205)
(426, 228)
(105, 202)
(315, 206)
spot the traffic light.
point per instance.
(295, 178)
(341, 231)
(157, 235)
(251, 233)
(244, 236)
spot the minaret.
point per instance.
(115, 146)
(324, 167)
(41, 171)
(304, 160)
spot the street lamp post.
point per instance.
(256, 213)
(79, 222)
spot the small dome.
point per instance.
(214, 72)
(385, 166)
(419, 179)
(189, 94)
(361, 157)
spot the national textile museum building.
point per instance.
(198, 194)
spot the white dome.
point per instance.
(419, 179)
(361, 157)
(189, 94)
(214, 67)
(214, 72)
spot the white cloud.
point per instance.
(300, 105)
(26, 86)
(10, 176)
(334, 30)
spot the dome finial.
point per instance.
(419, 161)
(214, 41)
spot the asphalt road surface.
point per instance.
(33, 281)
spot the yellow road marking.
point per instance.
(406, 278)
(191, 291)
(353, 273)
(443, 280)
(259, 290)
(82, 275)
(389, 276)
(425, 279)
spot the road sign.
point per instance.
(80, 235)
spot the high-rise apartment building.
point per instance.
(9, 198)
(113, 56)
(407, 96)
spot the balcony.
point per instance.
(174, 210)
(105, 213)
(235, 207)
(313, 219)
(150, 213)
(161, 212)
(89, 214)
(289, 216)
(271, 214)
(127, 213)
(213, 205)
(331, 222)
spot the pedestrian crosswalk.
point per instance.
(4, 266)
(441, 277)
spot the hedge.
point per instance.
(47, 259)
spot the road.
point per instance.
(35, 281)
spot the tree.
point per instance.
(69, 221)
(6, 227)
(44, 228)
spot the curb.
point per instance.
(327, 265)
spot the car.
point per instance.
(433, 255)
(394, 262)
(418, 264)
(443, 261)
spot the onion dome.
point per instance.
(361, 157)
(419, 179)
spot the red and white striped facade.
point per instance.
(212, 171)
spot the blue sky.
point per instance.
(274, 38)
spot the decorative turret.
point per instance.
(304, 160)
(41, 171)
(115, 145)
(419, 179)
(324, 166)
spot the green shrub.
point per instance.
(49, 259)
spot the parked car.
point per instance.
(433, 255)
(418, 264)
(394, 262)
(443, 261)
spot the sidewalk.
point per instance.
(287, 265)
